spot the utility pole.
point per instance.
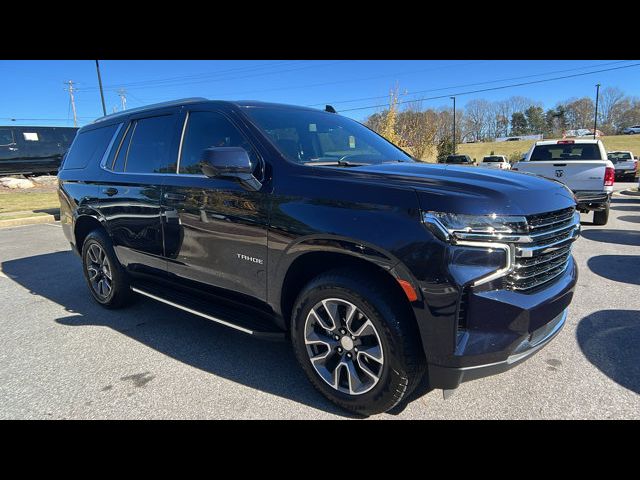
(104, 110)
(122, 93)
(454, 124)
(595, 120)
(73, 103)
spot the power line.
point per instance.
(351, 80)
(115, 86)
(494, 88)
(470, 84)
(242, 77)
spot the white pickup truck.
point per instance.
(582, 165)
(626, 166)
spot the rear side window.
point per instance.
(491, 159)
(148, 146)
(89, 147)
(566, 152)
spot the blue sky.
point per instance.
(35, 90)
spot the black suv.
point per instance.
(283, 221)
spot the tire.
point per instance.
(400, 363)
(601, 217)
(98, 262)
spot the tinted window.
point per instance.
(458, 159)
(313, 137)
(491, 159)
(205, 130)
(89, 147)
(616, 157)
(567, 151)
(151, 145)
(6, 136)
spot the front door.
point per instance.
(215, 229)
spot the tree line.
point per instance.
(423, 130)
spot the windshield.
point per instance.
(566, 152)
(312, 137)
(491, 159)
(616, 157)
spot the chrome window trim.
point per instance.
(184, 129)
(105, 156)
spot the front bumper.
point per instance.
(502, 329)
(450, 377)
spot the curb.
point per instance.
(16, 222)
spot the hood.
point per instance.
(471, 190)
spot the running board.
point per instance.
(243, 322)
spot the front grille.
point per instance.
(546, 255)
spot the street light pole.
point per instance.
(454, 124)
(595, 120)
(104, 110)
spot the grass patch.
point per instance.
(479, 150)
(15, 215)
(20, 201)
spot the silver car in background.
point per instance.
(631, 130)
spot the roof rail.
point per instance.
(153, 106)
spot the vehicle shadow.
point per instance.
(620, 268)
(609, 339)
(618, 200)
(626, 208)
(621, 237)
(260, 364)
(51, 211)
(630, 218)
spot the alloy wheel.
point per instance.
(343, 346)
(99, 271)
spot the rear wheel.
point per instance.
(601, 217)
(356, 342)
(107, 280)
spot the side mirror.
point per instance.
(229, 162)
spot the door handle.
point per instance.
(174, 196)
(559, 164)
(12, 149)
(110, 191)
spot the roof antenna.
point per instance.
(330, 109)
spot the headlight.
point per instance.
(453, 226)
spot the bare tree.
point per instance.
(477, 118)
(610, 99)
(579, 113)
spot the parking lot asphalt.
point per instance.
(63, 356)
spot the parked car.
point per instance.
(459, 160)
(280, 221)
(26, 150)
(631, 130)
(582, 165)
(495, 161)
(625, 165)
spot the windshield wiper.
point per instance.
(339, 163)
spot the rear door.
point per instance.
(130, 193)
(580, 166)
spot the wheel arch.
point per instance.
(83, 225)
(307, 266)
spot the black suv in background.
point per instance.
(280, 221)
(33, 149)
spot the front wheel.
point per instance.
(356, 342)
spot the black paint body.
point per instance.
(191, 229)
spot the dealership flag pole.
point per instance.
(104, 110)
